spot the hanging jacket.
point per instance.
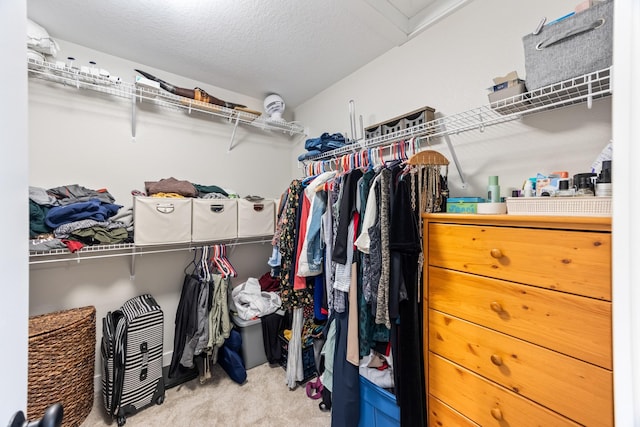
(312, 266)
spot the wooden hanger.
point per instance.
(428, 157)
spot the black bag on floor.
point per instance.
(131, 352)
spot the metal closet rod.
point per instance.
(134, 252)
(389, 145)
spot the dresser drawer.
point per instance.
(441, 415)
(570, 261)
(484, 402)
(576, 389)
(573, 325)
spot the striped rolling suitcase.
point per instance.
(131, 351)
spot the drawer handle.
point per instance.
(496, 360)
(496, 253)
(495, 306)
(165, 208)
(496, 413)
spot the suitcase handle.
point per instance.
(144, 349)
(557, 39)
(165, 208)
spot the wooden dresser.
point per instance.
(517, 321)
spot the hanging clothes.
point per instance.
(347, 208)
(314, 205)
(185, 322)
(197, 342)
(219, 321)
(382, 306)
(345, 394)
(288, 234)
(377, 287)
(405, 248)
(299, 301)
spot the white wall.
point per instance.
(448, 67)
(13, 167)
(80, 137)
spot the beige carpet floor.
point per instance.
(264, 400)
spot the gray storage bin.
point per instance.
(577, 45)
(373, 132)
(252, 341)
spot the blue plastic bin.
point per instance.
(377, 406)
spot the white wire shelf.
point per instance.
(130, 249)
(578, 90)
(73, 77)
(126, 249)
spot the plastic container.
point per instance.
(252, 342)
(564, 190)
(378, 407)
(308, 359)
(463, 204)
(528, 188)
(584, 183)
(604, 187)
(493, 190)
(492, 208)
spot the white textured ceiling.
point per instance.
(295, 48)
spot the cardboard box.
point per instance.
(517, 88)
(214, 219)
(158, 220)
(548, 185)
(504, 82)
(463, 204)
(506, 95)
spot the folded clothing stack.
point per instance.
(326, 142)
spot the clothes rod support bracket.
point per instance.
(233, 134)
(133, 115)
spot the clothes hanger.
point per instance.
(203, 271)
(232, 271)
(193, 261)
(216, 262)
(428, 157)
(222, 264)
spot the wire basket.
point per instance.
(561, 206)
(62, 363)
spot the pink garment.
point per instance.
(300, 283)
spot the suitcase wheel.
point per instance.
(121, 421)
(160, 400)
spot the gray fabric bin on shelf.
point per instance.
(577, 45)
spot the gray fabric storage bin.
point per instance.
(577, 45)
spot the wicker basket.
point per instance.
(62, 363)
